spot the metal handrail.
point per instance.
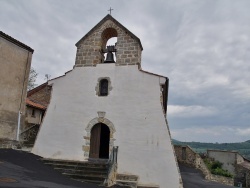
(29, 128)
(28, 131)
(113, 155)
(112, 162)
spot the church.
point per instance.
(108, 109)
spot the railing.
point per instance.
(112, 163)
(30, 133)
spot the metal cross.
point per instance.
(110, 10)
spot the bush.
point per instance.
(215, 167)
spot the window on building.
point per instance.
(103, 87)
(33, 113)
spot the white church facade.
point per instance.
(101, 104)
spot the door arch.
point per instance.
(99, 141)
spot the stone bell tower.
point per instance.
(105, 108)
(92, 46)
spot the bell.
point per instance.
(109, 58)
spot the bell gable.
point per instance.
(92, 47)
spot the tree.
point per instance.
(32, 78)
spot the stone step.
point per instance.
(74, 163)
(95, 167)
(89, 181)
(82, 170)
(85, 171)
(148, 186)
(126, 180)
(86, 176)
(128, 177)
(126, 183)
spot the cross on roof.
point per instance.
(110, 10)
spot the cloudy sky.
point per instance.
(203, 46)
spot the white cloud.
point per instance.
(190, 111)
(221, 134)
(243, 132)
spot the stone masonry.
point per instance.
(90, 47)
(186, 155)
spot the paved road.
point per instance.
(193, 178)
(25, 170)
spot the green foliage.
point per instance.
(216, 164)
(215, 167)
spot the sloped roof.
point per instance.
(109, 17)
(14, 41)
(36, 89)
(152, 73)
(34, 104)
(245, 164)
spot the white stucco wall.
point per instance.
(133, 106)
(36, 119)
(227, 158)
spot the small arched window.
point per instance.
(103, 87)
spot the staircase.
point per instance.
(28, 136)
(126, 180)
(130, 181)
(90, 171)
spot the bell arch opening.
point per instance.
(99, 141)
(109, 40)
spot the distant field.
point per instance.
(242, 147)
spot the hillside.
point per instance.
(242, 147)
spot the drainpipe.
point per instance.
(20, 105)
(18, 125)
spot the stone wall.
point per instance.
(222, 179)
(186, 155)
(242, 175)
(89, 49)
(15, 61)
(227, 158)
(248, 179)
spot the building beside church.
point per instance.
(15, 62)
(101, 104)
(36, 104)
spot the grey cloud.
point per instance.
(202, 46)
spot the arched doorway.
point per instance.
(99, 141)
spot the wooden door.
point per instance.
(95, 141)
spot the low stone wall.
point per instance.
(240, 176)
(9, 144)
(186, 155)
(222, 179)
(248, 179)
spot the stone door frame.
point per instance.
(91, 124)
